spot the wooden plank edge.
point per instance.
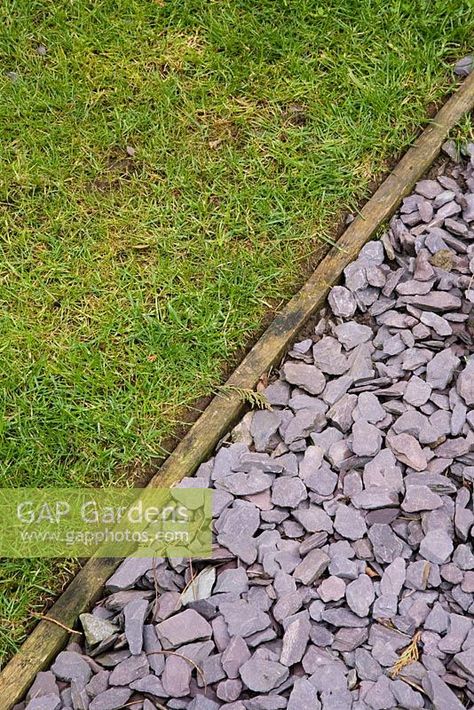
(47, 639)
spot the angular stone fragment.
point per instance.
(304, 423)
(151, 685)
(263, 427)
(385, 606)
(229, 690)
(134, 619)
(441, 368)
(465, 383)
(71, 666)
(130, 669)
(112, 699)
(420, 498)
(343, 617)
(352, 334)
(45, 702)
(434, 301)
(96, 629)
(373, 497)
(308, 377)
(242, 519)
(336, 388)
(332, 589)
(323, 481)
(440, 694)
(386, 545)
(393, 577)
(313, 519)
(360, 595)
(341, 412)
(295, 640)
(342, 302)
(243, 619)
(176, 677)
(245, 484)
(288, 492)
(201, 702)
(44, 684)
(311, 567)
(407, 450)
(366, 439)
(129, 572)
(184, 627)
(328, 357)
(303, 696)
(234, 656)
(436, 546)
(349, 523)
(439, 324)
(278, 393)
(369, 408)
(380, 696)
(428, 188)
(417, 392)
(261, 676)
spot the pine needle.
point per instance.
(255, 400)
(409, 655)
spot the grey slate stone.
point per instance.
(332, 589)
(71, 666)
(366, 439)
(176, 676)
(112, 699)
(440, 370)
(308, 377)
(440, 694)
(262, 676)
(44, 684)
(386, 545)
(349, 523)
(380, 696)
(295, 640)
(303, 696)
(465, 383)
(128, 573)
(366, 666)
(436, 546)
(393, 577)
(311, 567)
(407, 450)
(342, 302)
(134, 619)
(360, 595)
(130, 669)
(288, 492)
(243, 619)
(420, 498)
(183, 627)
(45, 702)
(343, 617)
(234, 656)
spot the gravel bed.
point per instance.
(343, 571)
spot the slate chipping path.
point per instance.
(343, 516)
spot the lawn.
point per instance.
(168, 172)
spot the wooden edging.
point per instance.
(47, 638)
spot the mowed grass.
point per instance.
(168, 171)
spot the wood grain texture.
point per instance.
(47, 639)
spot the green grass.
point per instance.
(128, 282)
